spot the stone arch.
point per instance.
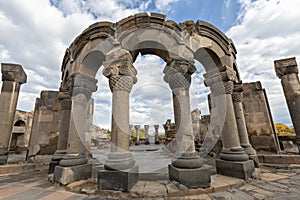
(116, 46)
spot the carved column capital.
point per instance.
(237, 95)
(81, 84)
(13, 72)
(121, 74)
(285, 67)
(220, 88)
(178, 72)
(65, 100)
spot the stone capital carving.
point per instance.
(13, 72)
(146, 127)
(121, 74)
(220, 74)
(137, 127)
(237, 97)
(220, 88)
(178, 72)
(285, 67)
(81, 84)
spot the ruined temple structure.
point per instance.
(258, 117)
(115, 46)
(21, 131)
(287, 71)
(13, 76)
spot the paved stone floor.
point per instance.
(282, 182)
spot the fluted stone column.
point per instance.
(137, 140)
(146, 127)
(13, 76)
(76, 159)
(66, 105)
(287, 71)
(234, 160)
(120, 172)
(156, 126)
(237, 98)
(186, 160)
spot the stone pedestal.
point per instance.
(287, 71)
(118, 180)
(12, 76)
(66, 175)
(192, 178)
(243, 170)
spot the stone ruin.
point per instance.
(62, 118)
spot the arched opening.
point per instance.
(17, 138)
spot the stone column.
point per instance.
(237, 98)
(137, 140)
(147, 141)
(76, 160)
(186, 160)
(120, 172)
(130, 128)
(66, 105)
(156, 134)
(13, 76)
(234, 160)
(287, 71)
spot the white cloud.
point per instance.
(164, 5)
(267, 31)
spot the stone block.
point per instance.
(66, 175)
(52, 166)
(118, 180)
(242, 170)
(191, 178)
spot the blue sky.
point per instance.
(35, 33)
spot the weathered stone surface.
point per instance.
(242, 170)
(118, 180)
(66, 175)
(258, 118)
(280, 159)
(192, 178)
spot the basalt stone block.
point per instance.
(242, 170)
(66, 175)
(52, 166)
(118, 180)
(191, 178)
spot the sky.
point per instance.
(36, 33)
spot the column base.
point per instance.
(118, 180)
(242, 170)
(234, 154)
(3, 156)
(56, 158)
(137, 142)
(249, 149)
(156, 142)
(191, 178)
(147, 142)
(66, 175)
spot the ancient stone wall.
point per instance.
(258, 118)
(46, 123)
(21, 131)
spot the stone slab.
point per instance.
(279, 159)
(242, 170)
(118, 180)
(66, 175)
(191, 178)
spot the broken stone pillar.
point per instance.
(156, 136)
(234, 160)
(120, 171)
(66, 105)
(45, 125)
(237, 97)
(146, 127)
(74, 165)
(137, 140)
(13, 76)
(187, 167)
(287, 71)
(258, 118)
